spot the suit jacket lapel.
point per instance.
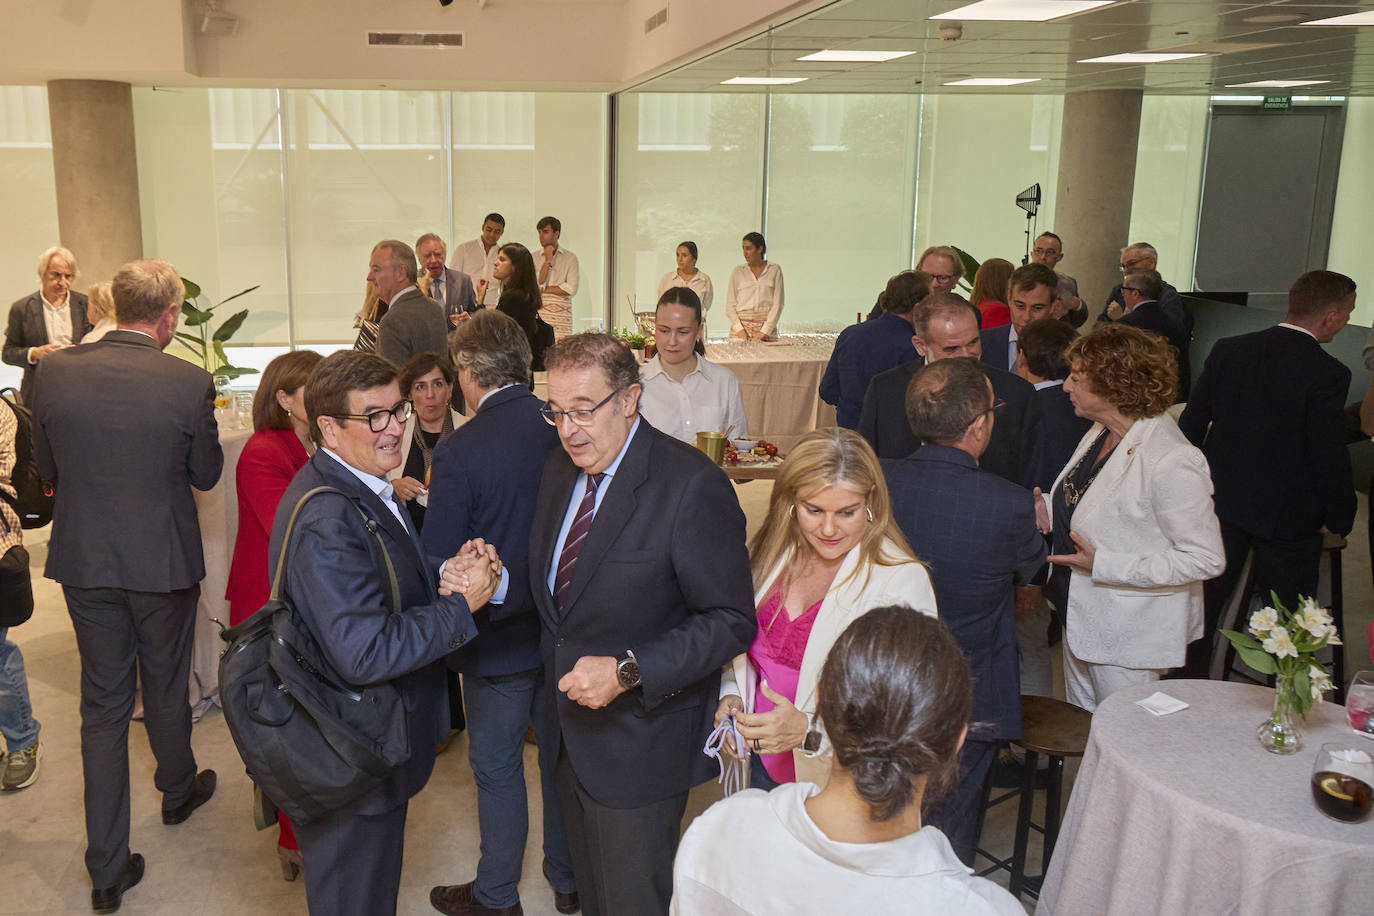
(1108, 481)
(376, 509)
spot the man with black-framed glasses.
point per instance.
(1140, 293)
(641, 577)
(1143, 256)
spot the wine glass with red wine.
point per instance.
(1343, 781)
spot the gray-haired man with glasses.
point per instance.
(337, 580)
(641, 578)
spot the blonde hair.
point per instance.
(827, 458)
(100, 302)
(371, 303)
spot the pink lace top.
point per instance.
(776, 655)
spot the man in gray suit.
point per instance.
(47, 320)
(126, 431)
(413, 322)
(448, 286)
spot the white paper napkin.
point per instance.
(1161, 704)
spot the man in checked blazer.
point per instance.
(977, 532)
(641, 578)
(46, 320)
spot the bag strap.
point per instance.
(368, 523)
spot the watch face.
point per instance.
(812, 742)
(628, 673)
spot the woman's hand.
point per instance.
(1082, 561)
(407, 488)
(782, 728)
(730, 705)
(480, 288)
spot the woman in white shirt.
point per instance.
(687, 275)
(753, 301)
(895, 696)
(684, 393)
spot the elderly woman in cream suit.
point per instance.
(828, 553)
(1135, 534)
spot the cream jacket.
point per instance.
(1149, 516)
(907, 584)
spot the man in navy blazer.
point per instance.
(1032, 294)
(1040, 360)
(336, 579)
(977, 533)
(641, 576)
(947, 327)
(1140, 292)
(483, 484)
(1267, 411)
(865, 349)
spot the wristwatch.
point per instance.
(812, 742)
(627, 671)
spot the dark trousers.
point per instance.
(500, 708)
(1287, 567)
(353, 862)
(622, 857)
(956, 811)
(116, 630)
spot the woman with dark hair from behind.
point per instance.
(894, 699)
(521, 298)
(989, 293)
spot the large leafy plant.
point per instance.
(206, 343)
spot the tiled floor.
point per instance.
(217, 864)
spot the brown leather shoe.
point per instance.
(457, 900)
(563, 903)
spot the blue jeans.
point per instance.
(17, 723)
(499, 709)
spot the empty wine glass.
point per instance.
(1359, 704)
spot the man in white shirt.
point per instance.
(477, 257)
(47, 320)
(683, 393)
(558, 277)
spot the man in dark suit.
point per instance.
(1040, 360)
(127, 431)
(947, 327)
(641, 576)
(483, 484)
(977, 533)
(448, 286)
(1267, 411)
(1143, 256)
(865, 349)
(47, 320)
(1140, 292)
(413, 323)
(1032, 295)
(338, 583)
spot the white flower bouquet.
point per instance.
(1284, 643)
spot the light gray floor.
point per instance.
(217, 864)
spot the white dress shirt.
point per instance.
(57, 319)
(751, 295)
(706, 400)
(475, 261)
(563, 272)
(377, 485)
(1011, 349)
(699, 284)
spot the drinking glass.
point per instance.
(1359, 704)
(1343, 781)
(223, 398)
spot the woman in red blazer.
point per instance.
(279, 446)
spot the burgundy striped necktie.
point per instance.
(572, 545)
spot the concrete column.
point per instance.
(96, 171)
(1092, 208)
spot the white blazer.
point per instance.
(1149, 516)
(907, 584)
(408, 434)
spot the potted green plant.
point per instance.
(205, 343)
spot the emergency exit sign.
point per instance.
(1277, 103)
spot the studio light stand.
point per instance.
(1029, 200)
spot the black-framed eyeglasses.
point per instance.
(1046, 252)
(942, 278)
(379, 420)
(582, 416)
(1134, 289)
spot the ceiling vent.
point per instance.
(656, 20)
(415, 39)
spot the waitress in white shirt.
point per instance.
(685, 393)
(753, 301)
(687, 275)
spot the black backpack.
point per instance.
(33, 505)
(311, 741)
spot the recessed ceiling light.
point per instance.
(763, 80)
(1144, 57)
(857, 57)
(1365, 18)
(1022, 10)
(993, 81)
(1275, 84)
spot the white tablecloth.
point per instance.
(780, 385)
(218, 509)
(1186, 813)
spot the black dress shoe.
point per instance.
(563, 903)
(201, 790)
(107, 899)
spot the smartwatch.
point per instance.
(627, 671)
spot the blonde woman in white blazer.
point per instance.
(827, 553)
(1141, 535)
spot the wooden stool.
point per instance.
(1058, 730)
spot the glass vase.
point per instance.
(1279, 732)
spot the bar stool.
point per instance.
(1058, 730)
